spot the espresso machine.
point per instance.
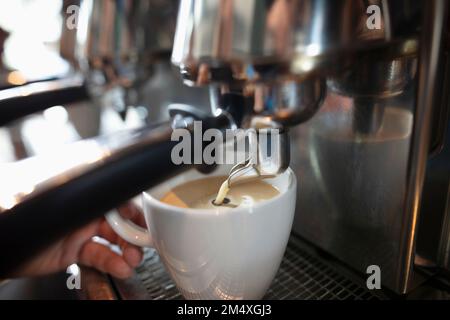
(360, 87)
(367, 111)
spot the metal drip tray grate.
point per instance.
(302, 275)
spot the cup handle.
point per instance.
(129, 231)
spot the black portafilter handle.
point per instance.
(20, 101)
(49, 213)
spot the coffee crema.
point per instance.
(200, 193)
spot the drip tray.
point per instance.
(302, 275)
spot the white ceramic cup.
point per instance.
(211, 253)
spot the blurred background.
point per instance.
(36, 47)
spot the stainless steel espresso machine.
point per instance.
(368, 159)
(360, 86)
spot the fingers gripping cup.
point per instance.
(226, 252)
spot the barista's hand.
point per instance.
(79, 247)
